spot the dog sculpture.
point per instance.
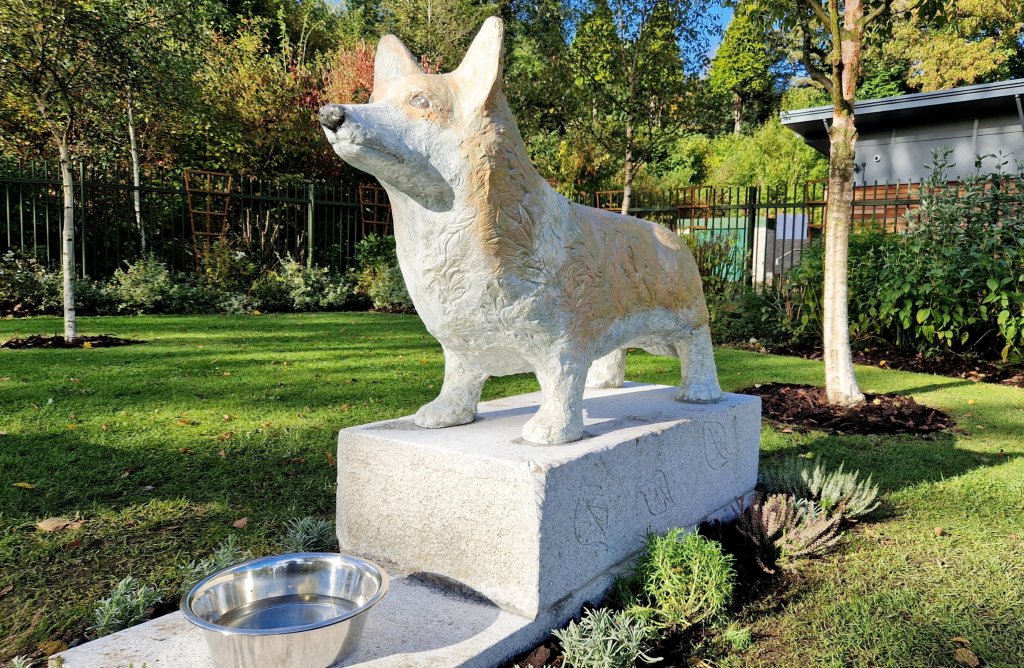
(507, 274)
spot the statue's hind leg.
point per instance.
(697, 362)
(608, 371)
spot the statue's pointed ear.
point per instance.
(479, 74)
(393, 61)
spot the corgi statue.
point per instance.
(506, 273)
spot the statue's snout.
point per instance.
(332, 116)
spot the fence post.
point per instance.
(310, 206)
(752, 193)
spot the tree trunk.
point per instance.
(840, 382)
(67, 255)
(737, 114)
(628, 171)
(136, 180)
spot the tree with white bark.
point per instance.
(830, 36)
(56, 55)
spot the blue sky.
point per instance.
(722, 14)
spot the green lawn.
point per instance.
(160, 447)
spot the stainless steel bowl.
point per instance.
(303, 610)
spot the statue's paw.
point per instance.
(439, 414)
(703, 393)
(545, 430)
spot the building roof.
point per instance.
(991, 99)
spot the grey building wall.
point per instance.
(904, 153)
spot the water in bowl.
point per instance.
(286, 611)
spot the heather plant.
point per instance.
(129, 603)
(606, 639)
(681, 579)
(782, 529)
(839, 492)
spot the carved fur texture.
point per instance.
(507, 274)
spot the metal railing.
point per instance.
(764, 229)
(311, 221)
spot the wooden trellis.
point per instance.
(209, 199)
(374, 210)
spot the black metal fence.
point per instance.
(764, 230)
(296, 218)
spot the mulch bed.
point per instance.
(953, 366)
(57, 341)
(804, 407)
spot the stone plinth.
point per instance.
(533, 527)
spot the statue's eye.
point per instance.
(420, 102)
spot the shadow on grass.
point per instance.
(894, 462)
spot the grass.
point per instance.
(161, 447)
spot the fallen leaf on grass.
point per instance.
(226, 436)
(222, 454)
(344, 407)
(966, 657)
(51, 524)
(241, 523)
(186, 451)
(227, 418)
(960, 639)
(23, 485)
(227, 373)
(331, 461)
(87, 345)
(3, 433)
(971, 402)
(72, 426)
(104, 426)
(187, 423)
(292, 460)
(939, 531)
(6, 590)
(127, 472)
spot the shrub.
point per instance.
(954, 281)
(129, 603)
(388, 292)
(22, 283)
(605, 639)
(228, 270)
(309, 534)
(378, 276)
(295, 287)
(145, 287)
(782, 528)
(681, 579)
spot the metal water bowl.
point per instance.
(303, 610)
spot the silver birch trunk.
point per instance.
(67, 254)
(136, 180)
(628, 170)
(840, 383)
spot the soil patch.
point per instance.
(44, 341)
(804, 407)
(953, 366)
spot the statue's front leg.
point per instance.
(560, 418)
(456, 404)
